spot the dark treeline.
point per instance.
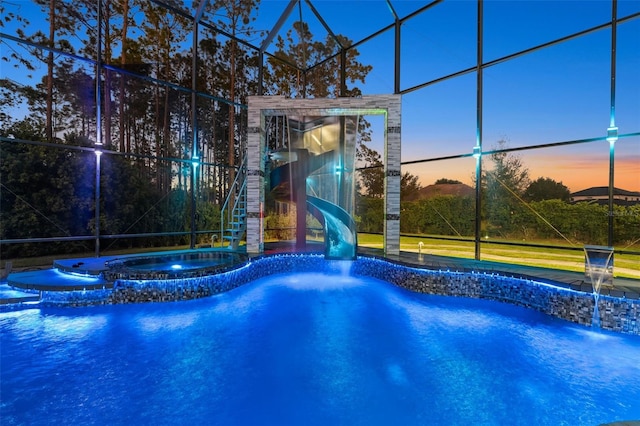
(557, 220)
(513, 208)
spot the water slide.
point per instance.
(288, 182)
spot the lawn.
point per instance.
(625, 265)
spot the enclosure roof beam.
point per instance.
(324, 24)
(200, 11)
(276, 28)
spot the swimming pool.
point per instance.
(313, 348)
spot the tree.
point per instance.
(60, 25)
(445, 181)
(371, 182)
(75, 100)
(124, 56)
(372, 174)
(409, 187)
(297, 53)
(371, 214)
(503, 186)
(238, 12)
(7, 51)
(12, 94)
(163, 34)
(439, 215)
(46, 191)
(546, 189)
(10, 91)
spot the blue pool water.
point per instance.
(170, 264)
(313, 349)
(178, 261)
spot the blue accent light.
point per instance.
(612, 134)
(176, 266)
(477, 151)
(77, 276)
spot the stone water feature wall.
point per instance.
(263, 106)
(617, 314)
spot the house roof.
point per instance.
(603, 191)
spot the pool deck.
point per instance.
(85, 273)
(622, 287)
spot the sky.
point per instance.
(557, 94)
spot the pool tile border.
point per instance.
(617, 314)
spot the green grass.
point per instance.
(625, 265)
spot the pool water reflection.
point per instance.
(311, 348)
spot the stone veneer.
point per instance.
(617, 314)
(263, 106)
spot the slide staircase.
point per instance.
(340, 232)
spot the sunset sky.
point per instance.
(557, 94)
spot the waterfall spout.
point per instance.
(599, 270)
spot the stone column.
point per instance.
(392, 173)
(255, 179)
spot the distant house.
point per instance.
(600, 195)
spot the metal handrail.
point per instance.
(240, 183)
